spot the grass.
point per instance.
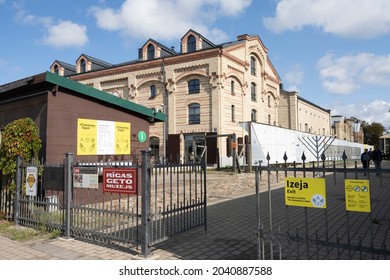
(23, 234)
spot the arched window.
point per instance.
(150, 52)
(269, 119)
(253, 66)
(269, 101)
(232, 87)
(191, 44)
(253, 115)
(233, 112)
(253, 92)
(56, 69)
(194, 113)
(152, 91)
(193, 86)
(83, 66)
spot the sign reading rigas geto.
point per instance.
(357, 195)
(305, 192)
(118, 180)
(95, 137)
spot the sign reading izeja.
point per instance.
(117, 180)
(305, 192)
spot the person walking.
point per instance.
(365, 159)
(376, 156)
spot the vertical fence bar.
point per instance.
(204, 168)
(145, 203)
(270, 208)
(69, 159)
(257, 185)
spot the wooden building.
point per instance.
(56, 104)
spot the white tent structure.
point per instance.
(277, 141)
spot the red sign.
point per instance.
(120, 180)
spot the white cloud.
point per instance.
(375, 111)
(63, 34)
(345, 74)
(295, 76)
(66, 34)
(347, 18)
(168, 19)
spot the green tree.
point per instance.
(19, 138)
(372, 132)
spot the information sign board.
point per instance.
(305, 192)
(85, 177)
(357, 195)
(96, 137)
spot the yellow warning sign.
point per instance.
(305, 192)
(357, 195)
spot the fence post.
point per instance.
(69, 159)
(145, 203)
(18, 182)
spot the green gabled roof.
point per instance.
(103, 96)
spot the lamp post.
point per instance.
(164, 134)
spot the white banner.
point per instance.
(31, 181)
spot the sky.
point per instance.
(334, 53)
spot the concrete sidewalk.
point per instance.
(231, 231)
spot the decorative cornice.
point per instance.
(233, 69)
(150, 75)
(123, 80)
(191, 68)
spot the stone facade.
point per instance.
(206, 89)
(300, 114)
(348, 129)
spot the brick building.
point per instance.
(206, 90)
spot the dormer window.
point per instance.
(191, 44)
(83, 66)
(56, 69)
(150, 54)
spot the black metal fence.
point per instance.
(341, 230)
(168, 199)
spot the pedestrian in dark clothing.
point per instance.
(376, 156)
(365, 158)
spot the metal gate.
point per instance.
(293, 232)
(170, 199)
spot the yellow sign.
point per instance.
(122, 138)
(86, 137)
(357, 195)
(95, 137)
(305, 192)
